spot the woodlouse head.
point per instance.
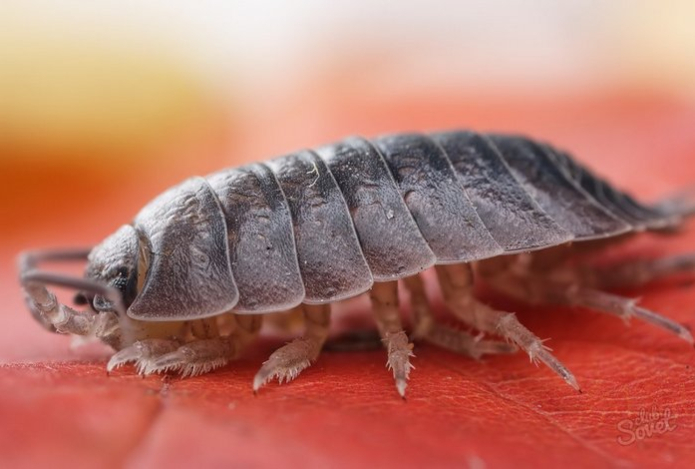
(115, 263)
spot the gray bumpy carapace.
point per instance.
(318, 226)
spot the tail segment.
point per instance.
(679, 205)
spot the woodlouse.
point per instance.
(314, 227)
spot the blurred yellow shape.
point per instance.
(75, 97)
(655, 41)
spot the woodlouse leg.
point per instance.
(288, 361)
(146, 341)
(426, 328)
(569, 289)
(457, 281)
(287, 322)
(43, 303)
(65, 320)
(141, 353)
(624, 308)
(384, 297)
(637, 273)
(204, 355)
(550, 264)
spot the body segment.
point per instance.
(566, 203)
(328, 251)
(442, 210)
(189, 273)
(514, 219)
(262, 249)
(390, 239)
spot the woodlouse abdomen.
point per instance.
(318, 226)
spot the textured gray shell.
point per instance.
(329, 253)
(320, 226)
(262, 249)
(391, 241)
(189, 274)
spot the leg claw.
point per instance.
(399, 353)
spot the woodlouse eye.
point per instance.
(126, 283)
(121, 282)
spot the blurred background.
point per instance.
(105, 104)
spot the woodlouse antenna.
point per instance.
(42, 302)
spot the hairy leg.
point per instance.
(201, 355)
(457, 283)
(573, 287)
(142, 353)
(288, 361)
(384, 297)
(554, 264)
(624, 308)
(426, 328)
(637, 273)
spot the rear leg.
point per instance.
(624, 308)
(637, 273)
(553, 263)
(384, 297)
(457, 282)
(571, 286)
(288, 361)
(426, 328)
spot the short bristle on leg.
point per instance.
(384, 297)
(456, 282)
(399, 352)
(287, 362)
(426, 328)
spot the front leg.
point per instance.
(57, 317)
(207, 353)
(62, 319)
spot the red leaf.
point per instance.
(59, 408)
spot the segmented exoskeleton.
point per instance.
(315, 227)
